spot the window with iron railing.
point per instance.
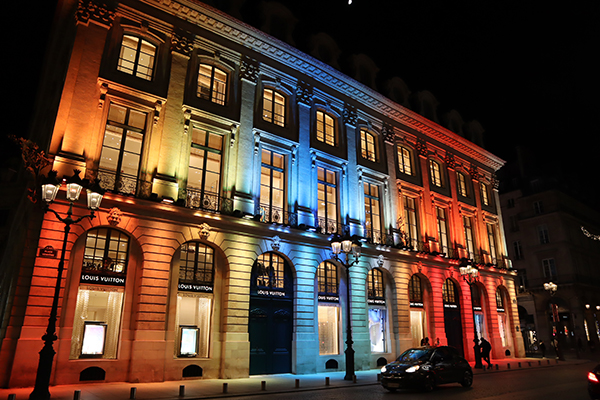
(327, 197)
(204, 171)
(272, 187)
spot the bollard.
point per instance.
(326, 381)
(539, 362)
(297, 383)
(483, 368)
(12, 396)
(548, 361)
(508, 365)
(132, 393)
(497, 367)
(263, 385)
(225, 388)
(519, 364)
(557, 360)
(181, 390)
(529, 362)
(77, 395)
(353, 378)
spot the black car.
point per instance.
(426, 367)
(594, 382)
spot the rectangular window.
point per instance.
(518, 250)
(543, 236)
(485, 200)
(549, 268)
(412, 222)
(491, 231)
(204, 171)
(329, 315)
(136, 57)
(462, 185)
(212, 84)
(442, 225)
(469, 237)
(325, 128)
(194, 322)
(372, 212)
(377, 329)
(367, 146)
(538, 207)
(327, 212)
(122, 149)
(273, 107)
(272, 187)
(404, 161)
(435, 173)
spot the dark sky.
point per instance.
(527, 71)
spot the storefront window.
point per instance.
(194, 312)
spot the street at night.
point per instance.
(556, 382)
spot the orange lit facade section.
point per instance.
(225, 178)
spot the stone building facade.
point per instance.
(230, 159)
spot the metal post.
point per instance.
(349, 350)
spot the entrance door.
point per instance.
(271, 316)
(452, 320)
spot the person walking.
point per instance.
(486, 348)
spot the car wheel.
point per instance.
(467, 380)
(429, 384)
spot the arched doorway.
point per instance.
(452, 319)
(271, 319)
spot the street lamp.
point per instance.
(347, 246)
(552, 288)
(470, 274)
(50, 187)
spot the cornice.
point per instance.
(236, 31)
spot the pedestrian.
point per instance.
(543, 348)
(477, 350)
(425, 342)
(486, 348)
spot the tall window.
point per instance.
(415, 291)
(404, 161)
(372, 212)
(272, 187)
(469, 237)
(196, 264)
(543, 235)
(204, 172)
(449, 292)
(137, 57)
(97, 320)
(442, 227)
(325, 128)
(435, 173)
(485, 199)
(549, 267)
(462, 184)
(122, 149)
(491, 232)
(367, 145)
(377, 311)
(329, 310)
(418, 316)
(412, 222)
(273, 107)
(212, 83)
(327, 201)
(518, 255)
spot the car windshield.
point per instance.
(415, 355)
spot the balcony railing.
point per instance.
(275, 215)
(196, 199)
(128, 185)
(328, 226)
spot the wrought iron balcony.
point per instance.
(328, 226)
(196, 199)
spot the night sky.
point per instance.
(529, 74)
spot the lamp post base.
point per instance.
(349, 364)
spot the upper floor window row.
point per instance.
(274, 107)
(405, 161)
(325, 128)
(137, 57)
(368, 147)
(435, 173)
(212, 84)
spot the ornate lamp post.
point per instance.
(470, 274)
(347, 246)
(552, 288)
(50, 187)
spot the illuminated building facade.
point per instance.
(230, 158)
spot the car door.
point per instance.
(442, 364)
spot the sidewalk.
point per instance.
(222, 388)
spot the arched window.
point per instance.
(368, 147)
(97, 321)
(449, 292)
(325, 128)
(404, 161)
(435, 173)
(273, 107)
(328, 309)
(197, 264)
(415, 291)
(270, 272)
(212, 83)
(136, 57)
(378, 325)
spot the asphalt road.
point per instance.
(558, 382)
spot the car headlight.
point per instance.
(383, 369)
(412, 369)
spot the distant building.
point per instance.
(546, 243)
(230, 158)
